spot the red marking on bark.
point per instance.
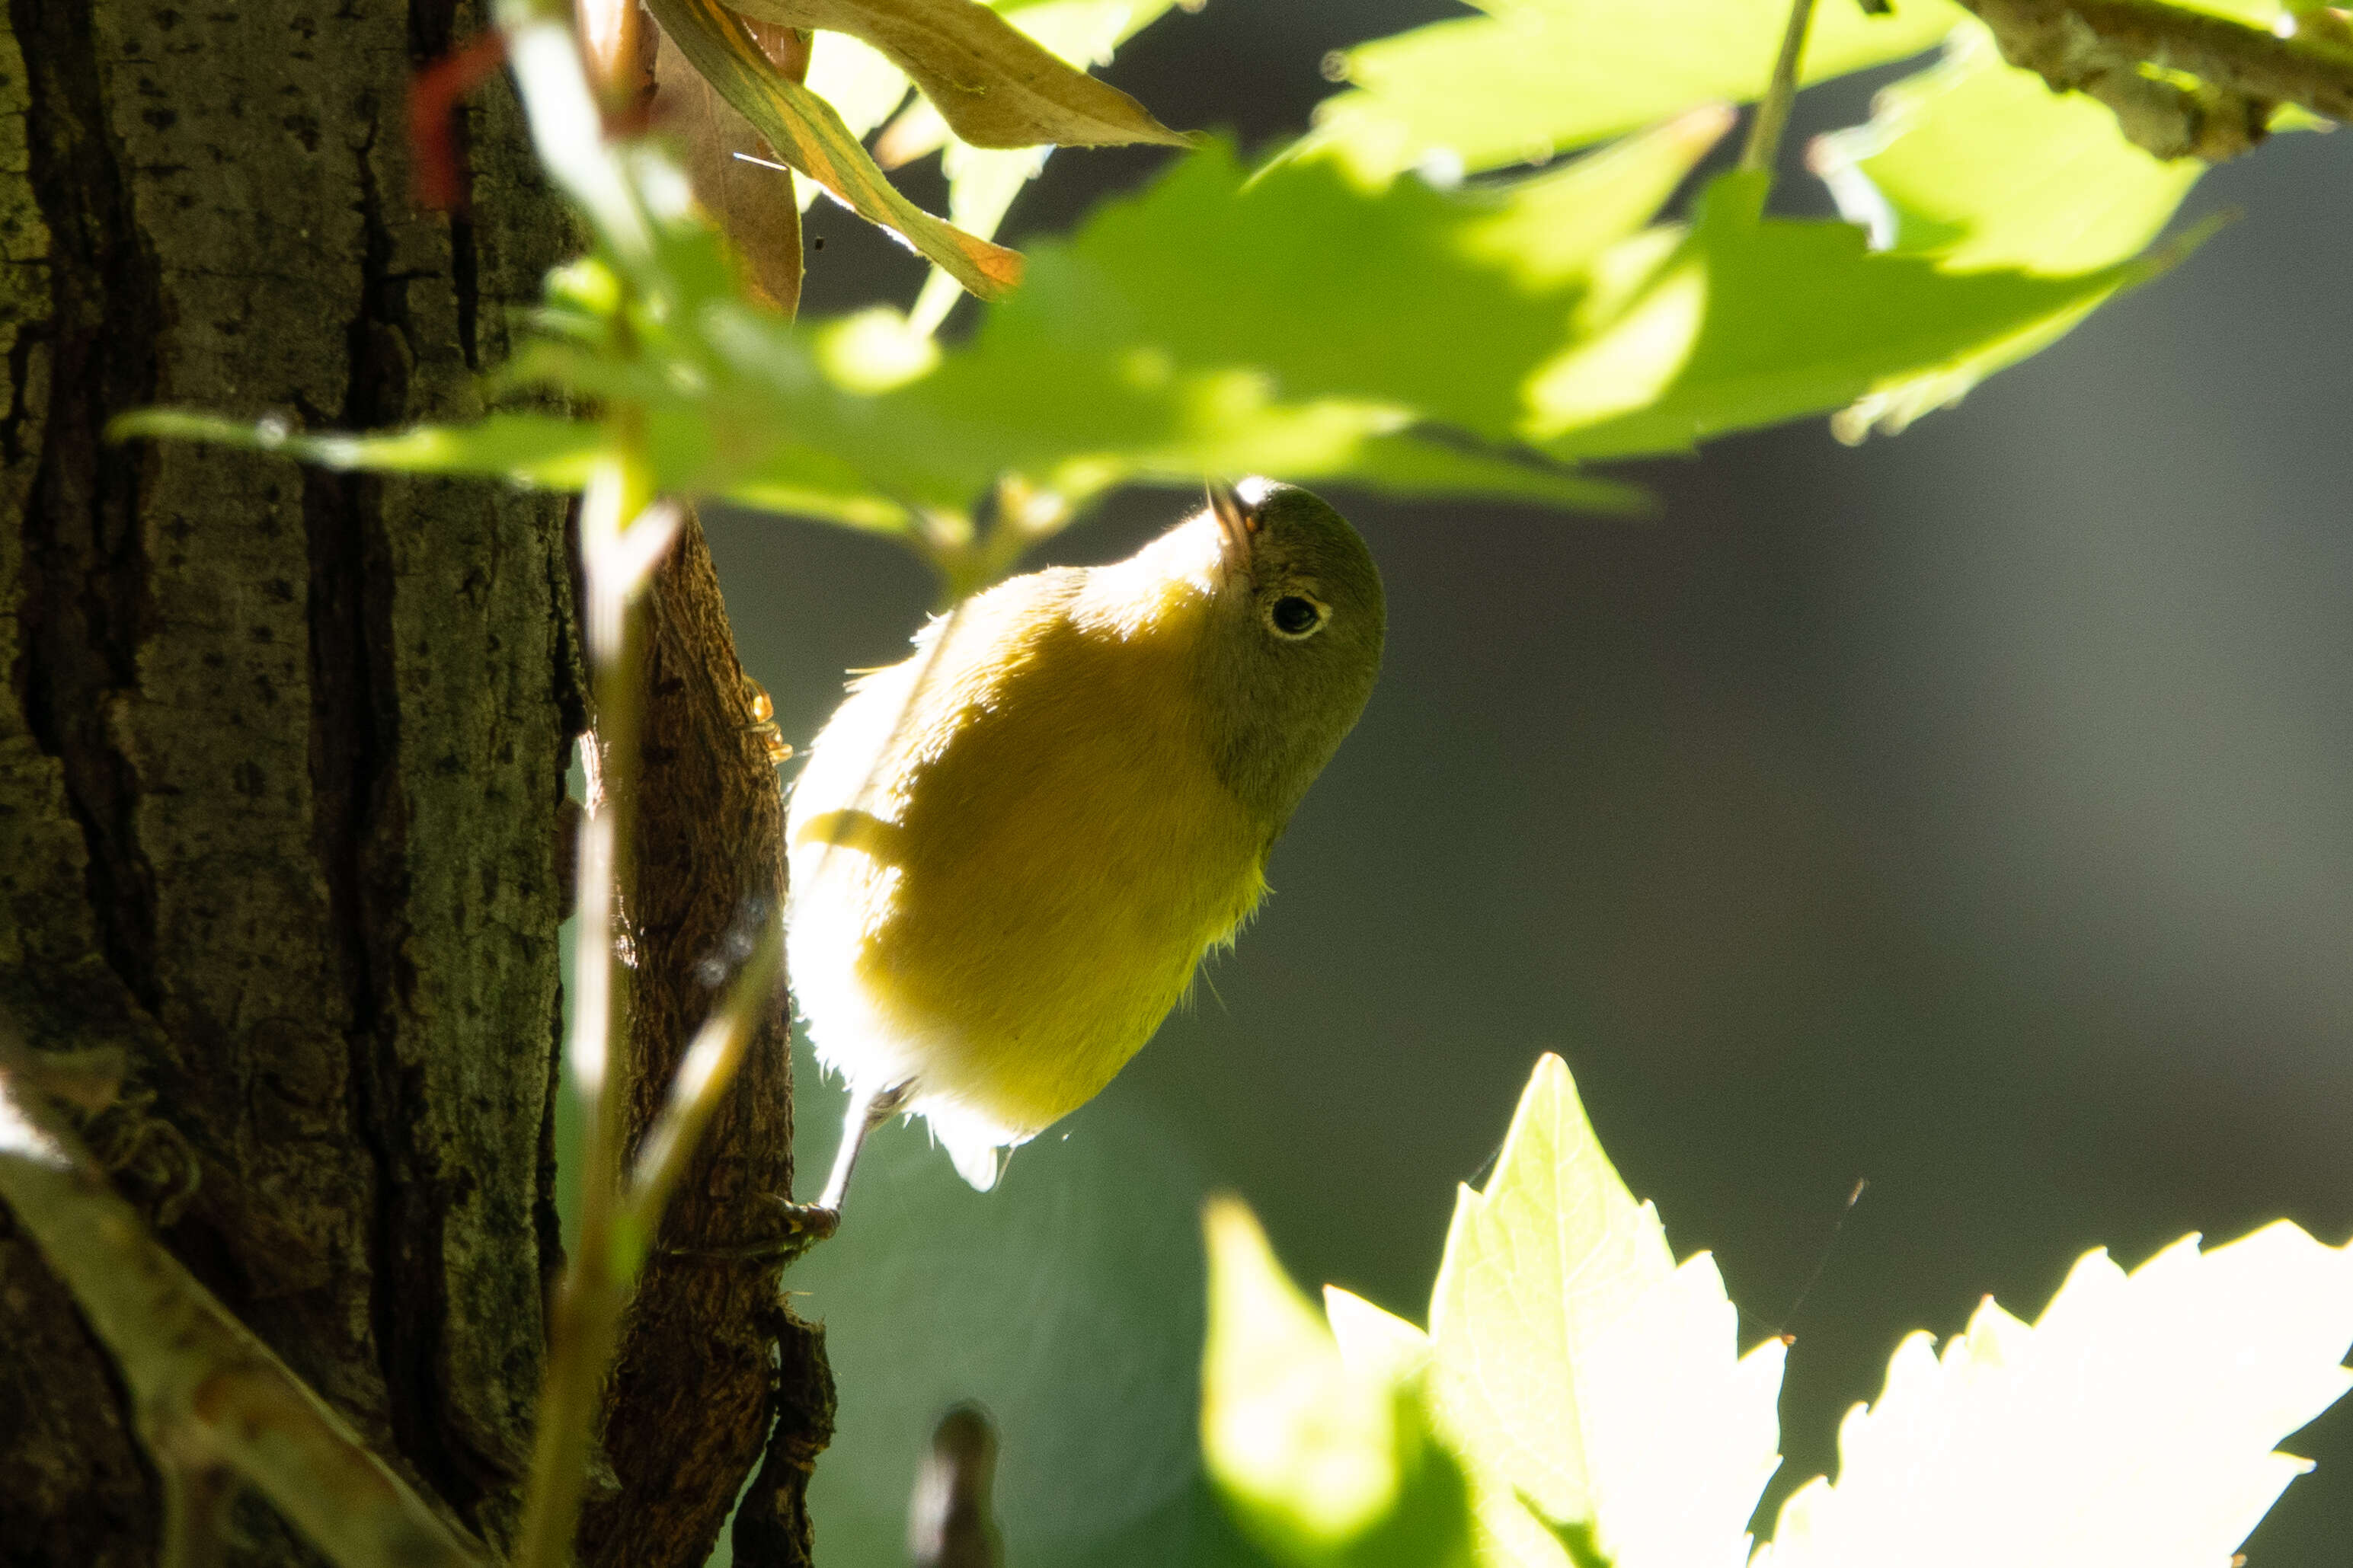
(433, 97)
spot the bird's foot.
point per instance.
(800, 1228)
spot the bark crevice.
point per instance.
(81, 598)
(281, 753)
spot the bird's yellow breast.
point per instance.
(1010, 852)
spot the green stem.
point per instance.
(616, 564)
(1773, 109)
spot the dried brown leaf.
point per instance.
(808, 134)
(995, 84)
(751, 201)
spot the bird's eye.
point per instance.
(1295, 616)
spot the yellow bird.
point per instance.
(1010, 851)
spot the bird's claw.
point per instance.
(804, 1225)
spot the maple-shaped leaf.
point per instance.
(2133, 1425)
(1595, 1386)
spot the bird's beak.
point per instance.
(1236, 520)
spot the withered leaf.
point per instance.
(807, 134)
(752, 203)
(994, 84)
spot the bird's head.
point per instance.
(1292, 642)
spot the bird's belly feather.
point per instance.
(1038, 880)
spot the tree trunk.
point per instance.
(282, 753)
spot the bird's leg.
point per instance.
(802, 1226)
(805, 1225)
(868, 1108)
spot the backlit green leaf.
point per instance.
(1323, 319)
(1590, 1380)
(1980, 165)
(1533, 76)
(1140, 350)
(1750, 320)
(2132, 1425)
(1323, 1459)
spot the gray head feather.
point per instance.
(1293, 648)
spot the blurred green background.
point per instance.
(1970, 812)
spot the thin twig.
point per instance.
(211, 1398)
(1764, 143)
(616, 563)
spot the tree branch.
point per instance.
(2099, 48)
(210, 1396)
(707, 1339)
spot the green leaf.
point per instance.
(1590, 1380)
(1140, 350)
(1373, 1341)
(1750, 320)
(808, 134)
(993, 85)
(1581, 1542)
(1137, 351)
(1533, 76)
(1379, 294)
(1550, 228)
(2133, 1425)
(1308, 321)
(1980, 165)
(1322, 1460)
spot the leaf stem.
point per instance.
(618, 561)
(568, 128)
(1764, 143)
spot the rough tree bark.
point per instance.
(281, 752)
(710, 1353)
